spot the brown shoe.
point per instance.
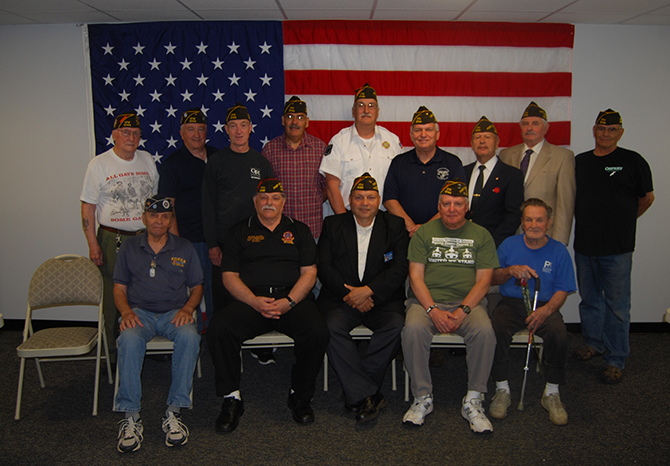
(611, 375)
(586, 353)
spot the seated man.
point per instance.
(451, 261)
(269, 267)
(152, 276)
(363, 267)
(530, 255)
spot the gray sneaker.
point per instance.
(176, 432)
(130, 435)
(499, 404)
(473, 412)
(421, 407)
(557, 413)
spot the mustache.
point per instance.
(269, 207)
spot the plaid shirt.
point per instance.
(298, 170)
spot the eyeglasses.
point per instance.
(291, 117)
(126, 133)
(607, 129)
(361, 105)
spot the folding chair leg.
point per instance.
(394, 385)
(116, 386)
(406, 383)
(325, 372)
(19, 394)
(39, 372)
(199, 368)
(109, 364)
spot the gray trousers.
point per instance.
(417, 335)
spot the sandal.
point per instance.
(586, 353)
(611, 375)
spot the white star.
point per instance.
(233, 48)
(250, 95)
(155, 95)
(108, 80)
(266, 112)
(218, 95)
(110, 110)
(124, 95)
(123, 64)
(140, 111)
(234, 79)
(266, 80)
(157, 157)
(139, 80)
(202, 48)
(265, 48)
(156, 127)
(185, 64)
(154, 64)
(218, 126)
(204, 110)
(202, 80)
(170, 80)
(172, 142)
(138, 48)
(186, 96)
(171, 112)
(169, 49)
(250, 63)
(253, 128)
(265, 140)
(110, 140)
(141, 143)
(107, 48)
(217, 63)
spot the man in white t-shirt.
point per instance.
(116, 185)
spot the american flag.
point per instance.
(460, 70)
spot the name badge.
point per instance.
(388, 256)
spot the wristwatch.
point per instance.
(465, 308)
(291, 302)
(430, 308)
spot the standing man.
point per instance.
(363, 267)
(231, 178)
(614, 188)
(116, 184)
(269, 267)
(152, 278)
(181, 182)
(295, 157)
(496, 189)
(363, 147)
(415, 178)
(529, 256)
(450, 269)
(548, 170)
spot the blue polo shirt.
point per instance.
(416, 186)
(176, 268)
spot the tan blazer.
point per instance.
(551, 179)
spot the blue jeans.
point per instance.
(131, 347)
(604, 286)
(203, 255)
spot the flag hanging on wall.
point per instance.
(460, 70)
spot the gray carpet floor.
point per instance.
(624, 424)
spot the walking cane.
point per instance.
(524, 283)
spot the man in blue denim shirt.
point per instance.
(152, 276)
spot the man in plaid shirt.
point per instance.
(295, 157)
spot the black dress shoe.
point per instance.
(355, 407)
(231, 410)
(370, 408)
(302, 410)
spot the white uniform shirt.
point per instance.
(363, 235)
(490, 165)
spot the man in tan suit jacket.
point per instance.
(549, 171)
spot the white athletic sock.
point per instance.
(550, 389)
(503, 385)
(235, 394)
(472, 394)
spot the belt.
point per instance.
(271, 290)
(116, 231)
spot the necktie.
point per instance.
(479, 187)
(525, 162)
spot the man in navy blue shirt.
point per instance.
(152, 277)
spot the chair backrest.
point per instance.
(65, 280)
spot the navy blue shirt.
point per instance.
(176, 268)
(416, 186)
(181, 179)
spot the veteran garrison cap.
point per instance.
(158, 204)
(365, 92)
(237, 112)
(193, 115)
(365, 182)
(484, 126)
(534, 110)
(609, 117)
(295, 105)
(455, 188)
(127, 120)
(423, 116)
(270, 185)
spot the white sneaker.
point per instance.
(130, 435)
(421, 407)
(473, 412)
(557, 413)
(499, 404)
(176, 433)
